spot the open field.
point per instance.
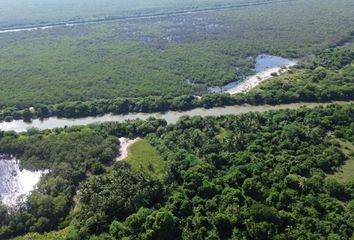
(346, 172)
(144, 158)
(156, 56)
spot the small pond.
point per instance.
(14, 182)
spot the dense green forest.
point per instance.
(327, 77)
(253, 176)
(157, 56)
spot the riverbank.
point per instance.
(266, 67)
(125, 143)
(170, 116)
(257, 79)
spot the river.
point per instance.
(170, 116)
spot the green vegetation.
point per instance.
(252, 176)
(54, 235)
(156, 56)
(33, 12)
(346, 172)
(144, 158)
(71, 155)
(327, 77)
(285, 174)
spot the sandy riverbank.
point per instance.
(125, 143)
(255, 80)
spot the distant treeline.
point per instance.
(329, 77)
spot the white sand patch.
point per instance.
(14, 182)
(125, 143)
(10, 126)
(255, 80)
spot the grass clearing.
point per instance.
(144, 157)
(346, 172)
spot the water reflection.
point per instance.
(14, 182)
